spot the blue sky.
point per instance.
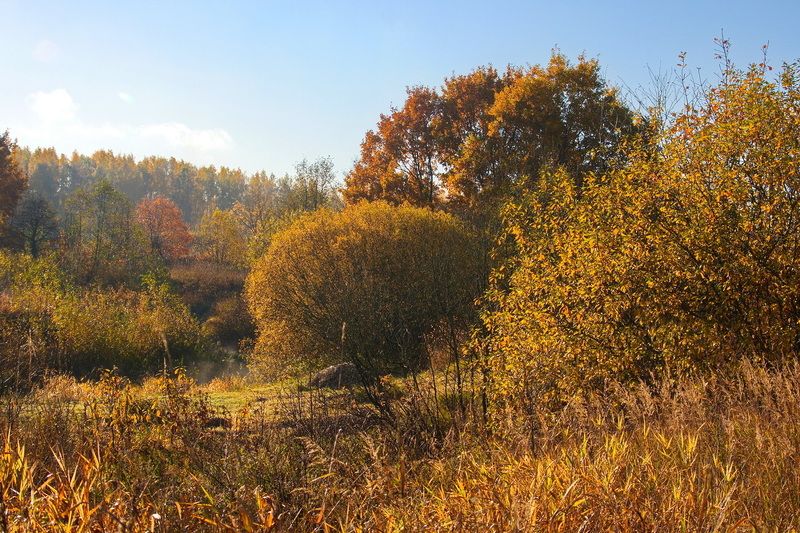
(261, 85)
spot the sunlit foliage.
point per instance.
(686, 258)
(399, 162)
(483, 132)
(193, 189)
(12, 180)
(221, 238)
(48, 324)
(365, 285)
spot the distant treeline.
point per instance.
(195, 190)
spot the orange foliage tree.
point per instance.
(163, 223)
(399, 162)
(484, 132)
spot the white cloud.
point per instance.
(46, 51)
(181, 135)
(53, 106)
(57, 122)
(125, 97)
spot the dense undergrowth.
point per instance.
(50, 324)
(709, 453)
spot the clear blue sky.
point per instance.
(261, 85)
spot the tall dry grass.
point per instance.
(717, 452)
(714, 453)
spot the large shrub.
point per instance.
(689, 257)
(365, 284)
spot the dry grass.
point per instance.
(718, 453)
(62, 388)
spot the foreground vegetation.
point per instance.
(717, 452)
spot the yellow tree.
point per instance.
(365, 285)
(688, 257)
(561, 115)
(468, 156)
(221, 239)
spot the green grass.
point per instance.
(235, 394)
(236, 400)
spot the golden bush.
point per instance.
(365, 284)
(685, 258)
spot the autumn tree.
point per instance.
(562, 115)
(399, 161)
(471, 142)
(684, 258)
(313, 184)
(365, 285)
(34, 222)
(44, 181)
(103, 242)
(121, 171)
(259, 239)
(221, 239)
(12, 180)
(259, 202)
(183, 190)
(371, 171)
(269, 204)
(164, 226)
(78, 173)
(470, 159)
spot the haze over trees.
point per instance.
(12, 180)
